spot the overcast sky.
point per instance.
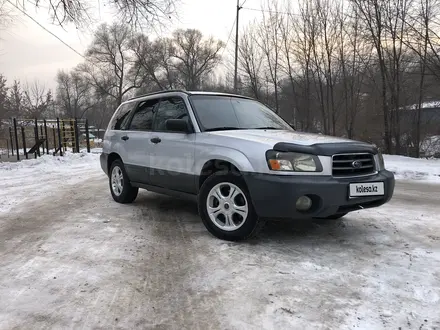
(28, 52)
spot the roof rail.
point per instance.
(159, 92)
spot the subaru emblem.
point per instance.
(356, 164)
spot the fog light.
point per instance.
(303, 203)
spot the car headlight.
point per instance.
(292, 161)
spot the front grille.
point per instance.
(353, 164)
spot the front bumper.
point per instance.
(274, 196)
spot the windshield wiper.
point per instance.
(224, 128)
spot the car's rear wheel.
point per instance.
(226, 208)
(120, 187)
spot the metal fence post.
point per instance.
(16, 138)
(54, 140)
(76, 133)
(45, 135)
(41, 136)
(36, 137)
(87, 136)
(23, 137)
(71, 134)
(12, 141)
(59, 137)
(63, 127)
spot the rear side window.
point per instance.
(143, 117)
(122, 116)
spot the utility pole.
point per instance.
(236, 46)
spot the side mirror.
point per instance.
(178, 125)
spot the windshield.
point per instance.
(223, 112)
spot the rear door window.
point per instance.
(122, 116)
(143, 117)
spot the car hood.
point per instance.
(271, 137)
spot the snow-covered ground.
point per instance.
(413, 168)
(37, 178)
(72, 258)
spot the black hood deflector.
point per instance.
(327, 149)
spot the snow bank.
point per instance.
(32, 179)
(413, 168)
(49, 163)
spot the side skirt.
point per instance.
(164, 191)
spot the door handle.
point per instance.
(155, 140)
(125, 137)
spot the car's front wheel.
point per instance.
(120, 187)
(226, 208)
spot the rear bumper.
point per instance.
(274, 196)
(104, 162)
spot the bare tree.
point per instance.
(395, 15)
(355, 57)
(7, 18)
(103, 108)
(155, 61)
(182, 61)
(37, 100)
(250, 61)
(424, 26)
(109, 66)
(329, 16)
(16, 98)
(195, 58)
(289, 43)
(137, 14)
(426, 13)
(302, 56)
(4, 100)
(6, 15)
(422, 39)
(372, 13)
(271, 45)
(73, 94)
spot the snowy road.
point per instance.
(71, 258)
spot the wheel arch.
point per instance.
(111, 158)
(216, 165)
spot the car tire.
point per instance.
(121, 189)
(231, 215)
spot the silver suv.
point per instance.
(240, 161)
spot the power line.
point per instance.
(270, 11)
(59, 39)
(230, 34)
